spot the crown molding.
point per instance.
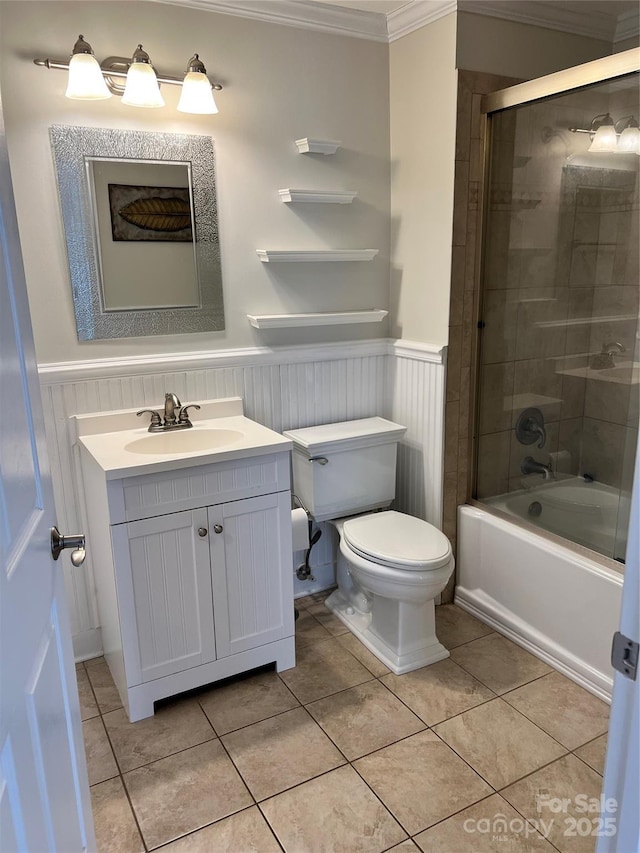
(416, 14)
(305, 14)
(552, 16)
(375, 26)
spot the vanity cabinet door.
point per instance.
(164, 594)
(251, 567)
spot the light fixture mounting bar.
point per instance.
(59, 65)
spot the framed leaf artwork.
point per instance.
(150, 214)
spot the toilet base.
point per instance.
(420, 652)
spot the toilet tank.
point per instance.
(345, 468)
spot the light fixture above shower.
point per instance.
(609, 136)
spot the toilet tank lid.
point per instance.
(347, 434)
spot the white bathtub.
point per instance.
(557, 603)
(586, 512)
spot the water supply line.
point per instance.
(303, 572)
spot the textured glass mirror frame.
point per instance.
(73, 147)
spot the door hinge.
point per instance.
(624, 655)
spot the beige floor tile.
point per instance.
(327, 619)
(244, 832)
(455, 626)
(309, 629)
(106, 692)
(499, 742)
(491, 826)
(439, 691)
(172, 728)
(343, 817)
(406, 845)
(101, 764)
(566, 778)
(499, 663)
(362, 653)
(594, 753)
(246, 701)
(281, 752)
(88, 705)
(364, 718)
(185, 792)
(116, 830)
(562, 708)
(421, 781)
(323, 668)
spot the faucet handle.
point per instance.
(155, 416)
(611, 348)
(183, 417)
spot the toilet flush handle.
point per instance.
(321, 460)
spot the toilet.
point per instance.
(389, 566)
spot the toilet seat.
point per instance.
(397, 540)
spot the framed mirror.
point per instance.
(140, 219)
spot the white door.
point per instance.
(621, 792)
(44, 792)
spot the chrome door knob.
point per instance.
(202, 531)
(60, 542)
(218, 528)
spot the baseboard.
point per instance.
(87, 645)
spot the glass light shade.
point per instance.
(629, 141)
(197, 95)
(86, 82)
(141, 88)
(605, 139)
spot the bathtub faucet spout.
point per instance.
(531, 466)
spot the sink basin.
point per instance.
(184, 441)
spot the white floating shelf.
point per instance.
(271, 256)
(322, 196)
(317, 146)
(340, 318)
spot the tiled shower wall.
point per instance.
(560, 280)
(463, 310)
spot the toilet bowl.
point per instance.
(390, 568)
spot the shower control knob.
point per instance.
(218, 528)
(202, 531)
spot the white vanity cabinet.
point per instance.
(193, 573)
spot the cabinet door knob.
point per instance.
(202, 531)
(218, 528)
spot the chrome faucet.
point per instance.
(532, 466)
(171, 420)
(606, 358)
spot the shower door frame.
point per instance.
(558, 83)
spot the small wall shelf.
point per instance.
(314, 196)
(276, 256)
(281, 321)
(317, 146)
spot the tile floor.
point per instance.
(340, 756)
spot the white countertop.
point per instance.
(109, 449)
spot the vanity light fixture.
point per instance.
(134, 79)
(629, 140)
(609, 136)
(141, 88)
(85, 82)
(197, 94)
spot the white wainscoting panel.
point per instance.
(282, 388)
(416, 388)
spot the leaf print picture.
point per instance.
(150, 214)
